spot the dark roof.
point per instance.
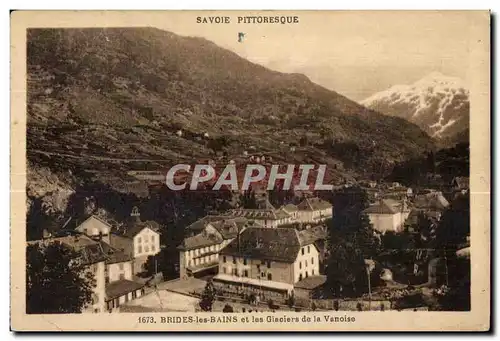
(311, 282)
(386, 206)
(314, 204)
(136, 226)
(89, 251)
(312, 234)
(277, 244)
(259, 214)
(200, 240)
(121, 287)
(200, 224)
(229, 228)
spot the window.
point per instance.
(97, 310)
(139, 240)
(302, 250)
(106, 279)
(245, 273)
(306, 263)
(223, 259)
(262, 274)
(223, 270)
(120, 266)
(134, 294)
(244, 261)
(300, 277)
(269, 277)
(300, 265)
(312, 260)
(313, 272)
(308, 249)
(152, 238)
(139, 249)
(189, 262)
(122, 277)
(146, 248)
(268, 263)
(307, 274)
(234, 260)
(153, 248)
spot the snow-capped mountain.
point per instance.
(437, 103)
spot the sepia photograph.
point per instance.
(242, 170)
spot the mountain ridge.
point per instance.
(125, 93)
(437, 103)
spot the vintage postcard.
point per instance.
(250, 171)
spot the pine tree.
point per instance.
(207, 297)
(351, 240)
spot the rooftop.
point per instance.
(135, 226)
(278, 244)
(312, 234)
(311, 282)
(386, 206)
(314, 204)
(120, 288)
(200, 240)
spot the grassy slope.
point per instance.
(122, 93)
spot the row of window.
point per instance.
(244, 273)
(245, 261)
(306, 275)
(146, 248)
(300, 263)
(201, 251)
(153, 238)
(203, 260)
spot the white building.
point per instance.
(388, 215)
(267, 262)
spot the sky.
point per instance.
(355, 54)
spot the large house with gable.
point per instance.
(267, 262)
(199, 251)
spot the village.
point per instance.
(262, 258)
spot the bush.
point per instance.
(228, 309)
(313, 306)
